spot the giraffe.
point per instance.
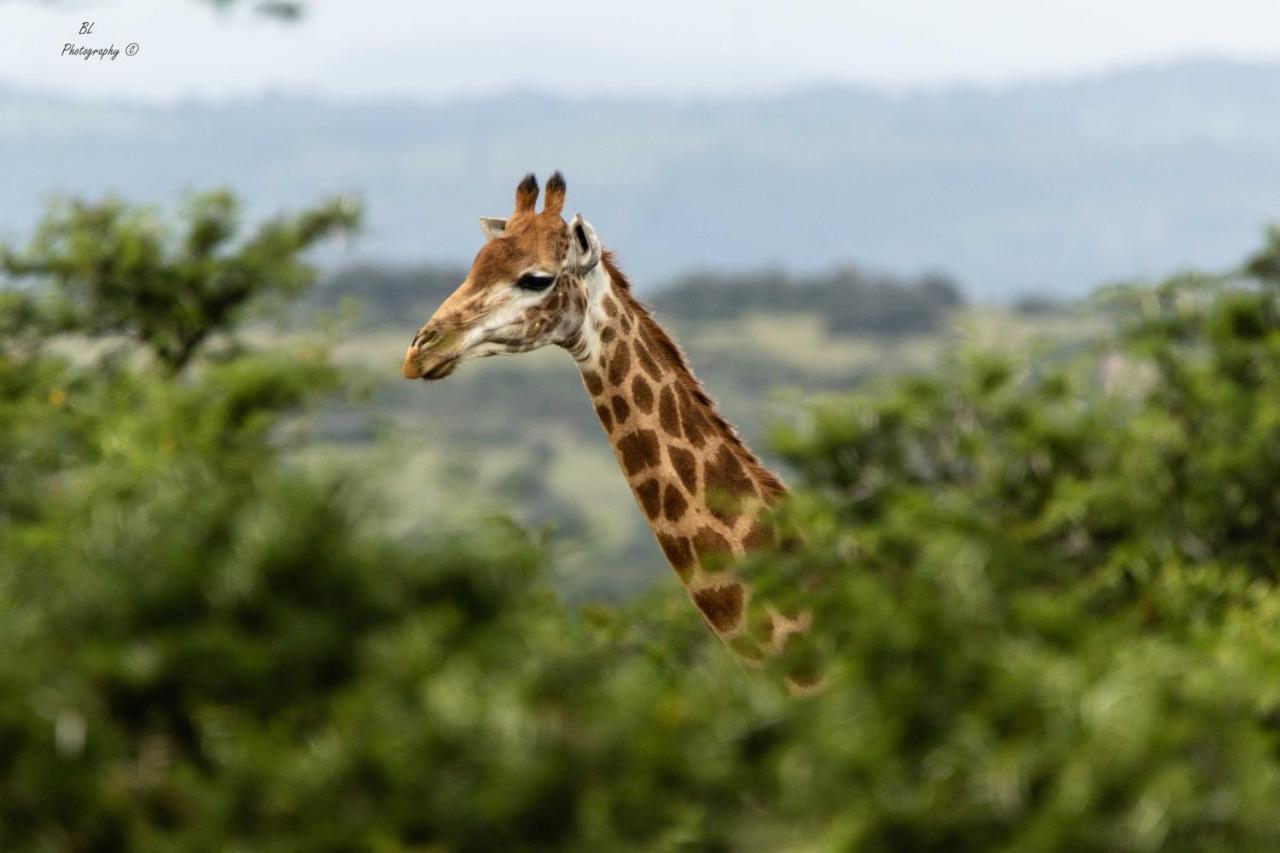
(540, 281)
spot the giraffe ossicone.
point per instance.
(538, 281)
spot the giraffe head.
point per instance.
(525, 288)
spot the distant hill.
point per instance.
(1051, 186)
(847, 299)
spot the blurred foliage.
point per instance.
(1045, 591)
(1051, 592)
(110, 268)
(283, 10)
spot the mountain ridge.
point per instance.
(1046, 185)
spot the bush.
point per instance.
(1045, 596)
(1050, 593)
(207, 647)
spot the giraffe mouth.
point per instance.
(441, 370)
(428, 365)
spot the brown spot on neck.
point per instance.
(667, 415)
(727, 484)
(642, 394)
(673, 503)
(606, 418)
(722, 605)
(638, 450)
(646, 361)
(686, 465)
(712, 549)
(648, 495)
(679, 553)
(692, 421)
(621, 409)
(619, 363)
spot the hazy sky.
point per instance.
(443, 50)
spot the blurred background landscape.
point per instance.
(993, 291)
(796, 243)
(1044, 187)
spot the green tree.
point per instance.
(1045, 592)
(108, 268)
(1050, 588)
(210, 647)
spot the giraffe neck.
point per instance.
(703, 492)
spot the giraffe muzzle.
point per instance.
(431, 355)
(441, 369)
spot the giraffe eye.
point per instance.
(535, 281)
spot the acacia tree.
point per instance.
(107, 268)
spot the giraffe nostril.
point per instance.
(425, 338)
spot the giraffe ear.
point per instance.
(492, 226)
(584, 245)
